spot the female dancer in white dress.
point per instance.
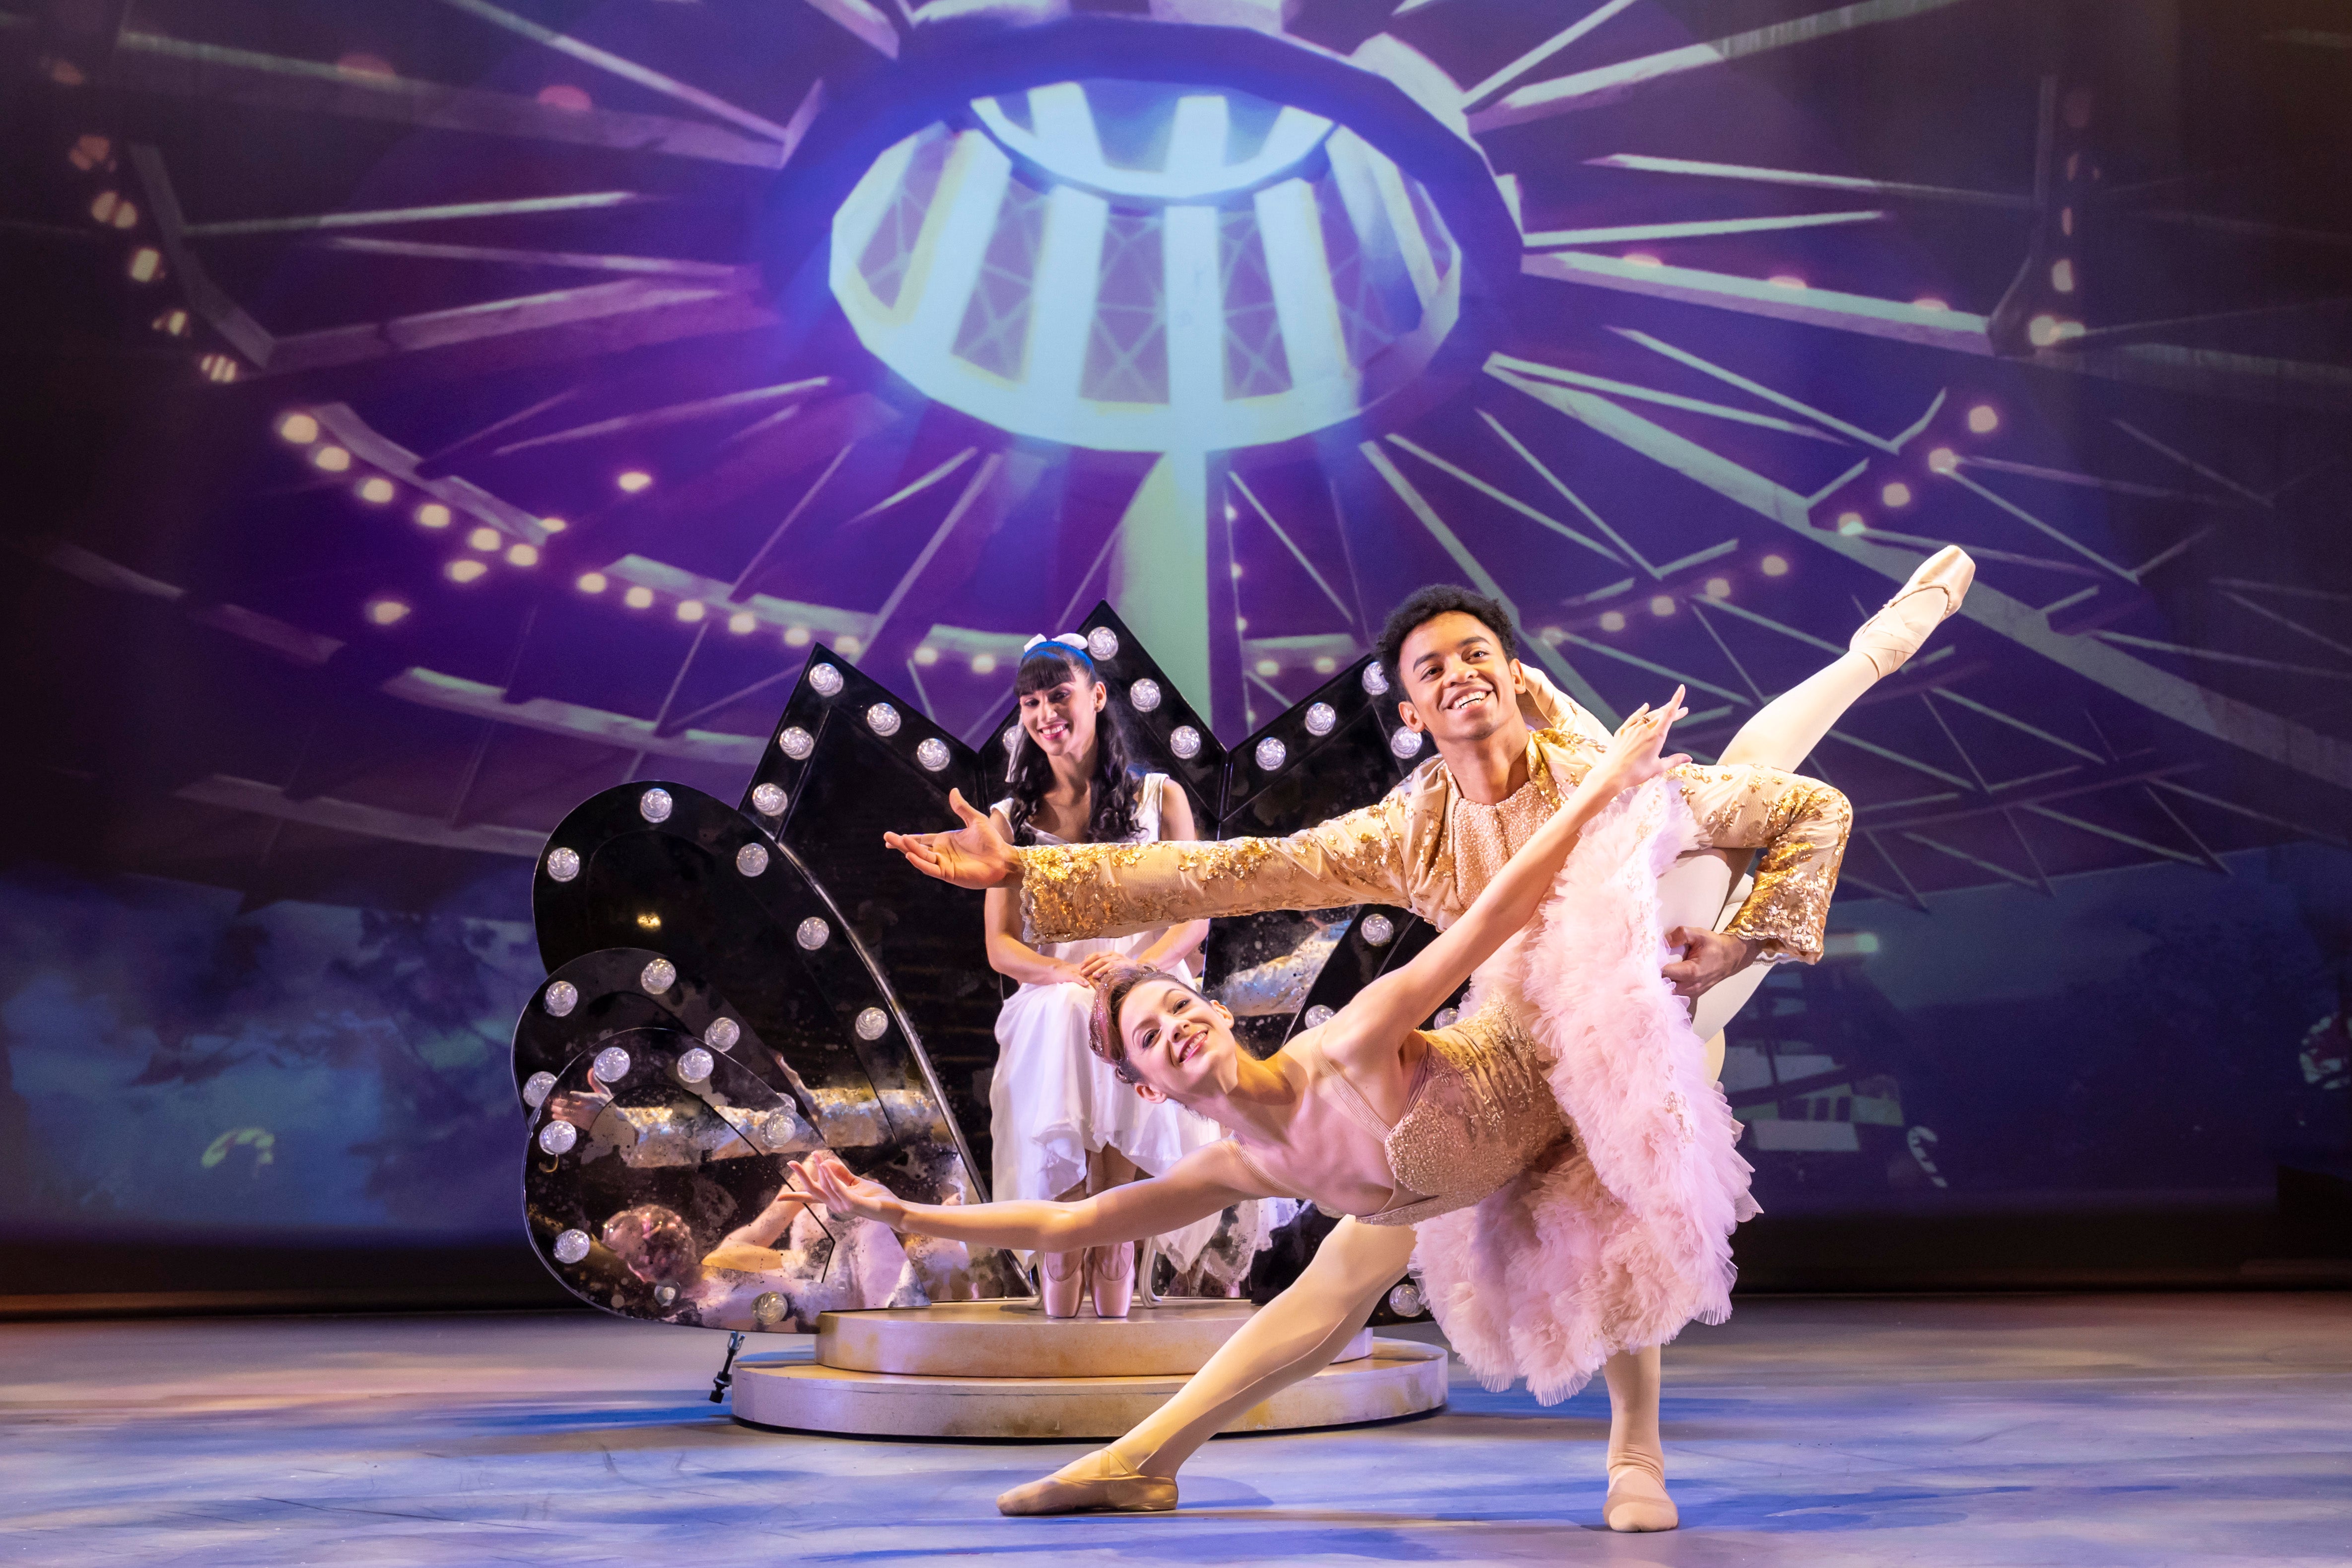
(1064, 1125)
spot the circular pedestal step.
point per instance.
(1015, 1339)
(1001, 1369)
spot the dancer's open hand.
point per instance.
(1634, 756)
(976, 855)
(845, 1193)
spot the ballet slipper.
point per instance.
(1060, 1290)
(1903, 621)
(1113, 1268)
(1098, 1483)
(1637, 1495)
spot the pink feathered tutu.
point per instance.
(1617, 1238)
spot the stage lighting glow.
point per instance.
(1613, 620)
(334, 459)
(433, 514)
(1984, 419)
(1897, 494)
(1215, 271)
(1851, 524)
(1944, 460)
(1775, 565)
(1269, 667)
(554, 525)
(1662, 604)
(1552, 636)
(796, 636)
(376, 489)
(125, 215)
(1930, 302)
(1785, 280)
(102, 207)
(2062, 275)
(1644, 259)
(851, 645)
(146, 264)
(522, 555)
(634, 480)
(689, 611)
(638, 598)
(384, 611)
(592, 583)
(742, 623)
(299, 428)
(1718, 588)
(465, 570)
(172, 322)
(1326, 664)
(485, 538)
(927, 656)
(2042, 332)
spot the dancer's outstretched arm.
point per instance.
(1202, 1183)
(1399, 1001)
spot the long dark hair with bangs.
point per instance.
(1116, 785)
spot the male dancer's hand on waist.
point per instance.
(1709, 958)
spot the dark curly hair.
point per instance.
(1442, 598)
(1117, 783)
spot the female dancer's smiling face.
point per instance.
(1180, 1047)
(1059, 717)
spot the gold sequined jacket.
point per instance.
(1401, 851)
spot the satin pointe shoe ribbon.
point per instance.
(1931, 593)
(1098, 1483)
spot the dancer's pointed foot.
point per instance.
(1098, 1483)
(1061, 1282)
(1903, 623)
(1637, 1495)
(1113, 1271)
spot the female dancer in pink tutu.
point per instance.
(1454, 1137)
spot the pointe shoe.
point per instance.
(1903, 621)
(1113, 1271)
(1637, 1496)
(1098, 1483)
(1061, 1289)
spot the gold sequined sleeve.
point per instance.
(1073, 891)
(1800, 824)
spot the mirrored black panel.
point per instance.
(650, 1185)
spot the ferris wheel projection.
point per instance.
(635, 347)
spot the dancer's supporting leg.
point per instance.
(1637, 1454)
(1292, 1337)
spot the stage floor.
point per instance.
(2114, 1431)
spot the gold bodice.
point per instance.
(1481, 1112)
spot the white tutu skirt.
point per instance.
(1052, 1101)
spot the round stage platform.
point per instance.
(1002, 1369)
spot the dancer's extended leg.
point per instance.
(1637, 1455)
(1292, 1337)
(1784, 731)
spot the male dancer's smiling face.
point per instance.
(1459, 684)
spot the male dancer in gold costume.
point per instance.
(1510, 746)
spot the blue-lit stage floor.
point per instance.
(2090, 1431)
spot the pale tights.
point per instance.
(1298, 1332)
